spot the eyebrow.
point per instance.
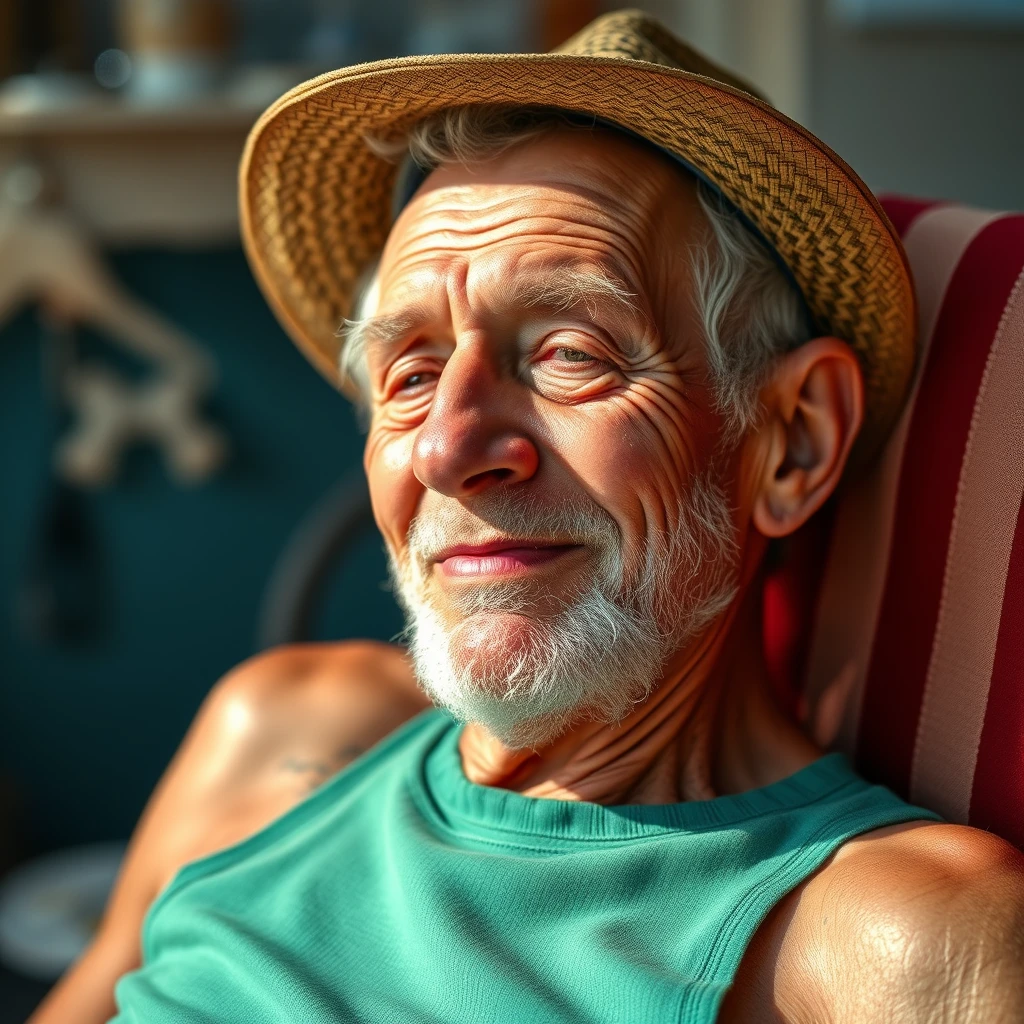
(356, 334)
(569, 286)
(562, 289)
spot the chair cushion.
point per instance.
(899, 611)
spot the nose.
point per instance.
(473, 438)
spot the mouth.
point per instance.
(499, 558)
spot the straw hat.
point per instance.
(316, 203)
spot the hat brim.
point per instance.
(316, 202)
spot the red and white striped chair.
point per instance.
(900, 610)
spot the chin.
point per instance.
(529, 657)
(494, 643)
(492, 654)
(528, 680)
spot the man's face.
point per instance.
(541, 440)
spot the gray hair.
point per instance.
(751, 313)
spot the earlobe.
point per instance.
(814, 406)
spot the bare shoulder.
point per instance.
(268, 733)
(282, 722)
(915, 922)
(320, 670)
(327, 703)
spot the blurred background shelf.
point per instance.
(138, 177)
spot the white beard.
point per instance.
(592, 659)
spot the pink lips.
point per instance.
(498, 557)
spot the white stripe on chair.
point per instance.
(984, 521)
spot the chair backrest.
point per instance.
(901, 613)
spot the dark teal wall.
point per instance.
(84, 734)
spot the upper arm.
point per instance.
(926, 926)
(317, 700)
(308, 704)
(963, 956)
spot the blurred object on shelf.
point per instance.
(45, 91)
(46, 257)
(112, 68)
(242, 94)
(58, 602)
(113, 414)
(177, 48)
(59, 597)
(50, 907)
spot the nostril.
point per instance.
(495, 476)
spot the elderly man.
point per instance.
(595, 393)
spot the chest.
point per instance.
(417, 921)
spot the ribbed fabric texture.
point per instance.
(401, 892)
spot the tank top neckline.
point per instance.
(461, 802)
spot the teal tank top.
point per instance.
(401, 892)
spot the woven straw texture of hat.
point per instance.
(316, 201)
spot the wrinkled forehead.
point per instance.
(411, 178)
(577, 134)
(577, 197)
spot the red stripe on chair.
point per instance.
(903, 211)
(997, 799)
(971, 311)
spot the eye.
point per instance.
(557, 355)
(410, 380)
(573, 365)
(572, 355)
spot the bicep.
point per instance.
(85, 995)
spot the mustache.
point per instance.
(573, 519)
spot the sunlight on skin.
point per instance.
(480, 392)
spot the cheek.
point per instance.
(394, 490)
(634, 454)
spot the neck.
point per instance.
(711, 727)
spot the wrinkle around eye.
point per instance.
(569, 387)
(408, 410)
(404, 407)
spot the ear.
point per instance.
(813, 408)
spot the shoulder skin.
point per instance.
(920, 923)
